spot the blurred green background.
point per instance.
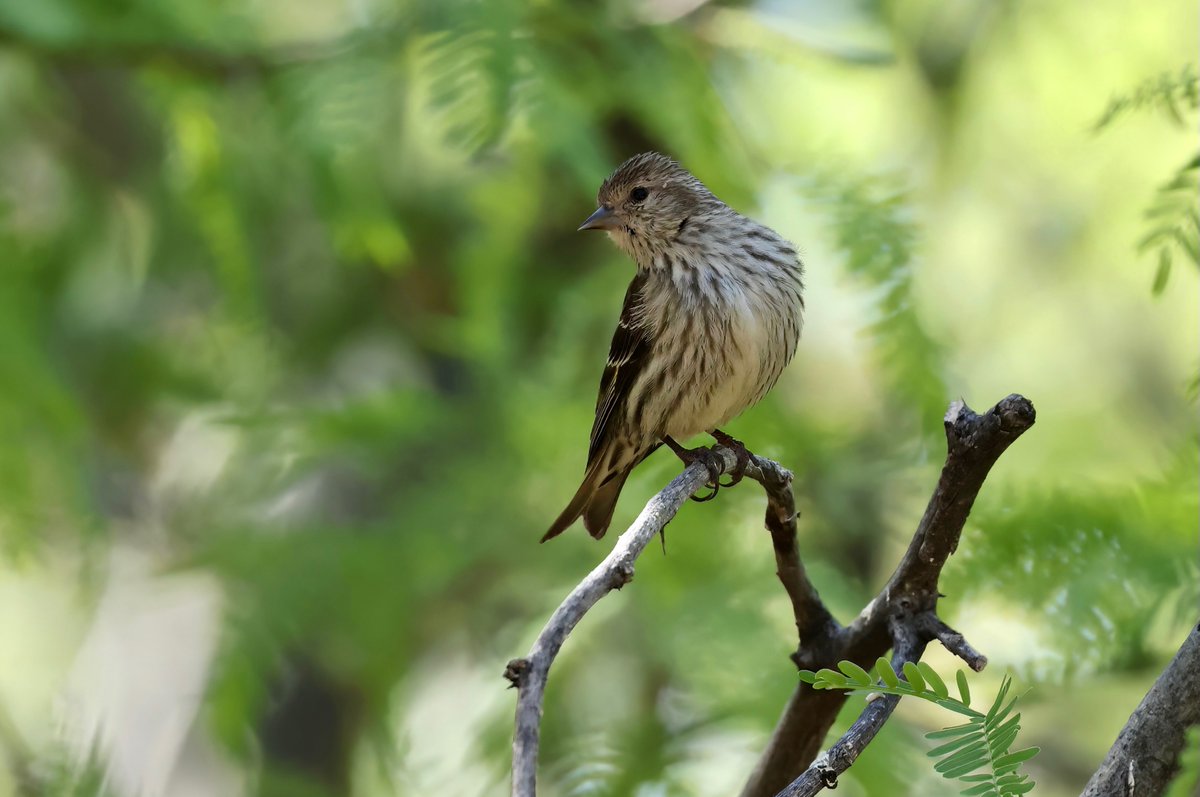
(299, 350)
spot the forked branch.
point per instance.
(901, 618)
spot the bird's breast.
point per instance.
(731, 346)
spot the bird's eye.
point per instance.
(639, 193)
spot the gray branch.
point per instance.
(813, 620)
(932, 626)
(902, 617)
(973, 444)
(530, 673)
(1145, 756)
(907, 645)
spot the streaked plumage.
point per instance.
(709, 322)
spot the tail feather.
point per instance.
(598, 512)
(575, 508)
(597, 497)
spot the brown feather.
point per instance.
(599, 510)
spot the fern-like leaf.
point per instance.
(1169, 93)
(978, 753)
(1174, 220)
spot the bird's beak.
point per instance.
(602, 219)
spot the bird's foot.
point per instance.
(739, 450)
(711, 460)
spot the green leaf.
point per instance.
(957, 730)
(955, 706)
(998, 727)
(983, 788)
(968, 765)
(963, 689)
(933, 679)
(994, 720)
(1164, 270)
(999, 701)
(886, 673)
(1002, 737)
(1015, 759)
(951, 746)
(808, 676)
(832, 679)
(1024, 788)
(972, 757)
(857, 674)
(976, 746)
(912, 674)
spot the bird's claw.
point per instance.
(712, 461)
(715, 466)
(740, 451)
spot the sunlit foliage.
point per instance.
(299, 349)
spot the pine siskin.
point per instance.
(710, 320)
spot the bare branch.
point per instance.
(814, 623)
(901, 617)
(907, 645)
(529, 674)
(932, 627)
(1145, 756)
(973, 444)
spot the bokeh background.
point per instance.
(299, 349)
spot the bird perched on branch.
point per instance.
(710, 320)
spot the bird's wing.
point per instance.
(627, 358)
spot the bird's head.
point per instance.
(646, 204)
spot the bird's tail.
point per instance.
(599, 510)
(596, 498)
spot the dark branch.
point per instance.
(1146, 754)
(813, 621)
(902, 617)
(907, 645)
(973, 444)
(932, 627)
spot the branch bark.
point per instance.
(813, 620)
(902, 617)
(823, 773)
(529, 674)
(973, 444)
(1145, 756)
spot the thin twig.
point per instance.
(814, 623)
(973, 444)
(907, 645)
(530, 673)
(932, 626)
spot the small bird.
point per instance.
(709, 322)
